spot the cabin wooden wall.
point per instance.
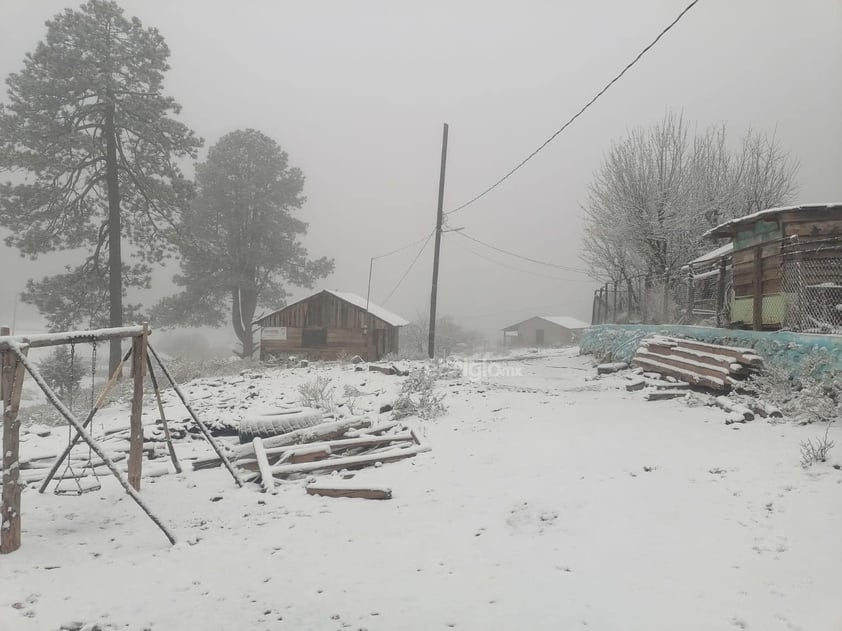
(343, 323)
(758, 269)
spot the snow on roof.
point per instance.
(725, 229)
(713, 254)
(564, 321)
(375, 310)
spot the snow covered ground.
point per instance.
(550, 500)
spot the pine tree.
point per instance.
(89, 137)
(240, 238)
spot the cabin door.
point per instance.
(539, 337)
(379, 343)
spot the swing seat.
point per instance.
(84, 484)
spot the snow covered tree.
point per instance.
(658, 190)
(88, 137)
(239, 238)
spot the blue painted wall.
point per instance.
(620, 341)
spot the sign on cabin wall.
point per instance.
(273, 333)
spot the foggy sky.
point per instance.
(356, 93)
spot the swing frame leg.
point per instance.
(166, 426)
(196, 419)
(112, 381)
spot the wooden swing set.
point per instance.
(14, 364)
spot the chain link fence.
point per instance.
(811, 284)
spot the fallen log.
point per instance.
(368, 493)
(605, 369)
(733, 407)
(663, 395)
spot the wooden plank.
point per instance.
(757, 306)
(663, 395)
(135, 422)
(696, 378)
(350, 462)
(309, 454)
(10, 512)
(742, 355)
(267, 481)
(43, 340)
(370, 493)
(688, 353)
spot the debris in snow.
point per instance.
(605, 369)
(368, 493)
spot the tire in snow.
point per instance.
(277, 423)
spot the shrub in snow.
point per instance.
(811, 453)
(318, 394)
(815, 395)
(418, 398)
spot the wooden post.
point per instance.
(691, 296)
(135, 464)
(666, 316)
(164, 423)
(720, 292)
(12, 386)
(614, 315)
(757, 305)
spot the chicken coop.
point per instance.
(787, 268)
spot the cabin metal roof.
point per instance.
(358, 301)
(728, 228)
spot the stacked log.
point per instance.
(709, 366)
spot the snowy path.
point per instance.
(549, 501)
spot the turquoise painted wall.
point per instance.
(620, 341)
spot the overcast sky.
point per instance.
(356, 93)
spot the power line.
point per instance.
(579, 113)
(409, 269)
(523, 271)
(402, 248)
(521, 256)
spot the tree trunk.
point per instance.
(115, 261)
(243, 304)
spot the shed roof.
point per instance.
(713, 255)
(358, 301)
(563, 321)
(730, 227)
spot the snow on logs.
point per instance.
(708, 366)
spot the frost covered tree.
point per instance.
(659, 189)
(240, 239)
(88, 138)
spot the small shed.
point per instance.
(544, 331)
(327, 325)
(787, 267)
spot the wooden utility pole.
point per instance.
(431, 342)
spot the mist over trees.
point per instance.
(450, 337)
(659, 189)
(91, 140)
(239, 241)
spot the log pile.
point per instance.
(347, 444)
(698, 364)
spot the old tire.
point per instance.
(278, 423)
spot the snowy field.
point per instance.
(550, 500)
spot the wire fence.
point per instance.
(642, 300)
(794, 283)
(811, 284)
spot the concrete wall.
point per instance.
(619, 342)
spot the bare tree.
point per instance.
(660, 189)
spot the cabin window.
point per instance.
(313, 338)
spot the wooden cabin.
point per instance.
(787, 267)
(327, 325)
(544, 331)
